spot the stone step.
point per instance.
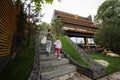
(44, 51)
(44, 57)
(43, 48)
(54, 62)
(52, 72)
(44, 45)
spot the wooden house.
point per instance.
(76, 26)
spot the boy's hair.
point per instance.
(49, 30)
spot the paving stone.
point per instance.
(78, 76)
(72, 76)
(114, 76)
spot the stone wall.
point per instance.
(36, 70)
(3, 61)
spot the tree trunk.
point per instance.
(28, 39)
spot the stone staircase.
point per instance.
(51, 67)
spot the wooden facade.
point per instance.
(76, 26)
(8, 23)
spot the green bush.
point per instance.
(109, 37)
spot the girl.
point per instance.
(58, 46)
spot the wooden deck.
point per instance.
(91, 47)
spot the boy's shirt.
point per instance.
(49, 36)
(57, 44)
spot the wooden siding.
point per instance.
(7, 26)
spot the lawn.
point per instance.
(20, 67)
(68, 48)
(114, 63)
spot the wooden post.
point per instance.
(86, 43)
(85, 40)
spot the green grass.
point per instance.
(114, 63)
(20, 67)
(68, 48)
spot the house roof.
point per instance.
(74, 19)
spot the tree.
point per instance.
(21, 25)
(108, 12)
(39, 3)
(108, 15)
(108, 37)
(32, 10)
(44, 26)
(57, 25)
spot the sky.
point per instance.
(82, 8)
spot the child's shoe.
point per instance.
(59, 58)
(55, 53)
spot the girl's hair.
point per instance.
(57, 37)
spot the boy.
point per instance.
(58, 46)
(49, 42)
